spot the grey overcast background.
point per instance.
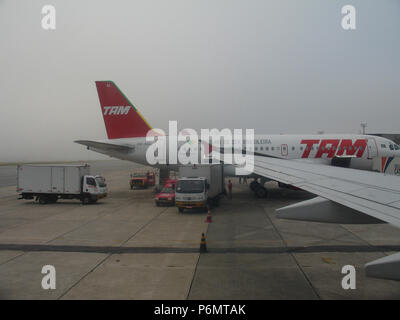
(276, 66)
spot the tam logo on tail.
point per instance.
(127, 124)
(116, 110)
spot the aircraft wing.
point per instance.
(349, 192)
(372, 193)
(104, 146)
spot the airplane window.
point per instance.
(391, 147)
(301, 148)
(272, 148)
(267, 148)
(256, 148)
(293, 148)
(261, 148)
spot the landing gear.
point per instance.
(254, 185)
(258, 188)
(261, 192)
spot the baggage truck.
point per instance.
(142, 180)
(199, 186)
(48, 183)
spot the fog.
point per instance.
(274, 66)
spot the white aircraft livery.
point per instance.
(127, 130)
(324, 165)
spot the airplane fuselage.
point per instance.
(355, 150)
(127, 130)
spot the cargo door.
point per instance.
(57, 180)
(372, 148)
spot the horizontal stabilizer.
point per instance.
(384, 268)
(104, 146)
(323, 210)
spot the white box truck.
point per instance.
(199, 186)
(48, 183)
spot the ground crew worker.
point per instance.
(245, 180)
(230, 188)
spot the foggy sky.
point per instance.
(275, 66)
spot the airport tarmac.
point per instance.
(124, 247)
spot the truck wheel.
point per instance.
(261, 192)
(180, 210)
(85, 200)
(42, 200)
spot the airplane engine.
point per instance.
(384, 268)
(323, 210)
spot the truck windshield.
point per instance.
(100, 182)
(190, 186)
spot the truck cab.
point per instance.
(94, 187)
(191, 192)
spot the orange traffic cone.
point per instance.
(203, 246)
(208, 219)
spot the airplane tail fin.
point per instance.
(121, 118)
